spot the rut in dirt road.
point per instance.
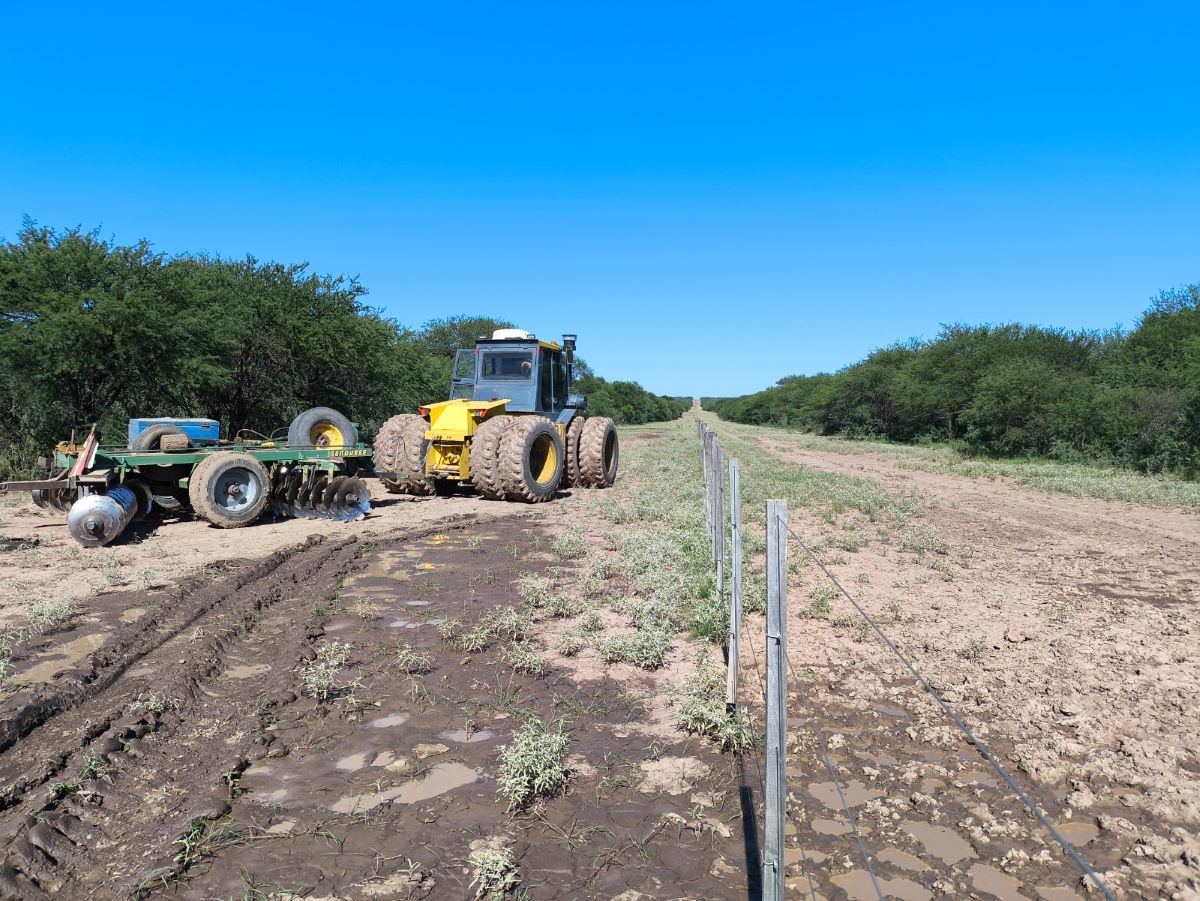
(76, 755)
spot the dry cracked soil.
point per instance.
(1062, 629)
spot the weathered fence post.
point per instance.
(735, 601)
(719, 522)
(705, 459)
(776, 700)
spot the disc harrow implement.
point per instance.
(173, 464)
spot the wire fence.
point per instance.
(721, 516)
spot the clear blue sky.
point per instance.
(712, 196)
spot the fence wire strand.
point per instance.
(976, 743)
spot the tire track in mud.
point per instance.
(82, 737)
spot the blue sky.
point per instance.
(712, 196)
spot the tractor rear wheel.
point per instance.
(322, 427)
(599, 453)
(531, 460)
(229, 489)
(571, 469)
(485, 457)
(400, 447)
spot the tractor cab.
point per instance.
(534, 376)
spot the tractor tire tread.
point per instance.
(514, 461)
(300, 428)
(149, 440)
(571, 450)
(485, 457)
(399, 447)
(593, 472)
(198, 489)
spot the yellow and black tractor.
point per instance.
(512, 428)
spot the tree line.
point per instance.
(1125, 398)
(95, 331)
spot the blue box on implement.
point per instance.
(199, 431)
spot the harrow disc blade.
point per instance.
(353, 499)
(301, 506)
(291, 493)
(278, 476)
(61, 500)
(39, 498)
(326, 507)
(312, 504)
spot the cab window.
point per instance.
(506, 365)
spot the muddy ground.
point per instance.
(40, 562)
(1063, 629)
(163, 742)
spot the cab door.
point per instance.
(462, 379)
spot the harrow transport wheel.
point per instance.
(400, 448)
(151, 439)
(571, 469)
(485, 457)
(599, 453)
(229, 490)
(322, 427)
(531, 460)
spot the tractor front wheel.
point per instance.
(229, 490)
(599, 453)
(531, 460)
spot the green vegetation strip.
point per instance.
(1126, 399)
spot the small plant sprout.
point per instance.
(494, 873)
(366, 610)
(570, 545)
(820, 599)
(47, 615)
(412, 661)
(523, 658)
(570, 644)
(334, 652)
(319, 680)
(534, 764)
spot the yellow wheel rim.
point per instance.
(543, 459)
(326, 435)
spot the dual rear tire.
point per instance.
(517, 458)
(523, 458)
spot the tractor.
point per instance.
(512, 427)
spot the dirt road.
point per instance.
(1063, 629)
